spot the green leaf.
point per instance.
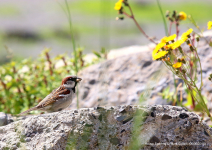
(210, 44)
(97, 54)
(189, 98)
(103, 50)
(198, 107)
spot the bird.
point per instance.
(59, 98)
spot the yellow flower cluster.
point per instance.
(183, 38)
(118, 5)
(209, 25)
(164, 46)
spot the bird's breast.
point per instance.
(63, 102)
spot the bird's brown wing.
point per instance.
(54, 96)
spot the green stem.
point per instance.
(164, 19)
(72, 36)
(200, 69)
(170, 28)
(175, 86)
(204, 105)
(74, 46)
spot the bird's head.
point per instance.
(70, 82)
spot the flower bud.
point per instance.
(121, 18)
(178, 59)
(191, 48)
(126, 3)
(170, 19)
(167, 13)
(184, 71)
(197, 39)
(180, 49)
(183, 60)
(174, 14)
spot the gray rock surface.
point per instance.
(5, 119)
(123, 127)
(122, 80)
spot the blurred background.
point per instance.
(28, 26)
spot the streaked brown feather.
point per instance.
(55, 96)
(52, 97)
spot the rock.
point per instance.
(123, 127)
(116, 81)
(122, 80)
(5, 119)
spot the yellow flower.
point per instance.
(167, 39)
(187, 32)
(185, 35)
(158, 47)
(159, 55)
(182, 15)
(209, 25)
(118, 5)
(177, 65)
(175, 44)
(184, 38)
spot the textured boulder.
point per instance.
(123, 127)
(120, 81)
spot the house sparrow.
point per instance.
(59, 98)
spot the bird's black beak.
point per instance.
(78, 79)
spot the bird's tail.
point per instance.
(31, 109)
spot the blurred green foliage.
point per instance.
(23, 84)
(9, 10)
(147, 11)
(100, 55)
